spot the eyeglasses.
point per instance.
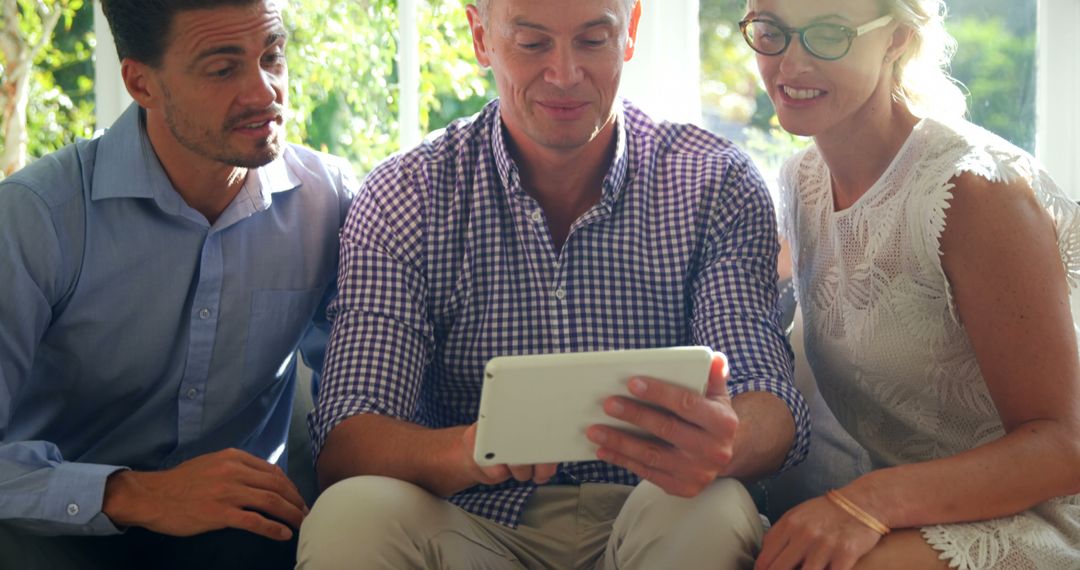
(823, 40)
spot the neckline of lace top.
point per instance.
(879, 185)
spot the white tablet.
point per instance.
(535, 409)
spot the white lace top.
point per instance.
(884, 339)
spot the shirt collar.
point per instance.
(127, 167)
(508, 172)
(256, 195)
(616, 178)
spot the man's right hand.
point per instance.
(493, 474)
(226, 489)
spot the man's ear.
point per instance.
(631, 42)
(476, 26)
(140, 81)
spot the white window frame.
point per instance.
(409, 75)
(110, 95)
(1057, 138)
(667, 54)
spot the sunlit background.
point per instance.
(345, 87)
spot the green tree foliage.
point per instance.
(46, 93)
(343, 90)
(344, 75)
(996, 65)
(343, 97)
(62, 91)
(729, 76)
(452, 85)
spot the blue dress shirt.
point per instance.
(135, 334)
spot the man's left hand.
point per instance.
(696, 432)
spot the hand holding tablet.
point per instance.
(536, 409)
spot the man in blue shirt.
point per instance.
(558, 219)
(157, 282)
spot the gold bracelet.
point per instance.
(860, 515)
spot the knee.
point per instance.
(726, 504)
(369, 500)
(357, 516)
(723, 507)
(719, 528)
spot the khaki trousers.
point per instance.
(378, 522)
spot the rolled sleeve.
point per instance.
(381, 338)
(735, 299)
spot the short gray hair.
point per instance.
(484, 5)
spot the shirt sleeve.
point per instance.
(382, 338)
(39, 491)
(314, 342)
(734, 297)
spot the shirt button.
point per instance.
(204, 313)
(537, 216)
(191, 393)
(72, 509)
(560, 294)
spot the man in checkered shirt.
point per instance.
(558, 219)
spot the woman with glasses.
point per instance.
(935, 265)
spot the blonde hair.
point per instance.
(921, 79)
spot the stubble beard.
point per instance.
(203, 142)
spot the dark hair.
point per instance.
(141, 28)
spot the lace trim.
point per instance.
(943, 541)
(965, 148)
(1043, 538)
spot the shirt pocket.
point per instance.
(278, 320)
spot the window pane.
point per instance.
(732, 102)
(452, 84)
(342, 78)
(995, 60)
(344, 74)
(60, 105)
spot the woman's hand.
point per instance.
(816, 535)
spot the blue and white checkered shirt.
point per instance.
(447, 262)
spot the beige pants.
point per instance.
(377, 522)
